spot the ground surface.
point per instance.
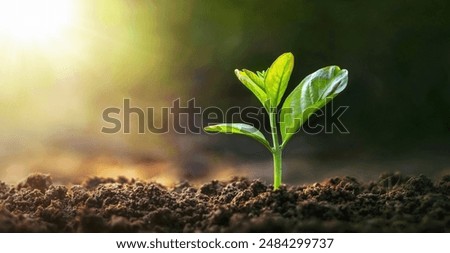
(394, 203)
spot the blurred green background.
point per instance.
(54, 90)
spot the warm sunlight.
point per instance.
(34, 20)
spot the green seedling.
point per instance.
(314, 92)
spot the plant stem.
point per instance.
(276, 150)
(277, 169)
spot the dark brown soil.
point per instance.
(394, 203)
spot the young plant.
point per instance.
(314, 92)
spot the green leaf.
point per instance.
(254, 87)
(239, 128)
(277, 78)
(262, 74)
(314, 92)
(255, 78)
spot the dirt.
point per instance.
(394, 203)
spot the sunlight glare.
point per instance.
(34, 20)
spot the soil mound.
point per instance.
(394, 203)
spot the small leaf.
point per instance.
(239, 128)
(255, 88)
(277, 78)
(262, 74)
(255, 78)
(314, 92)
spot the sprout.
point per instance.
(314, 92)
